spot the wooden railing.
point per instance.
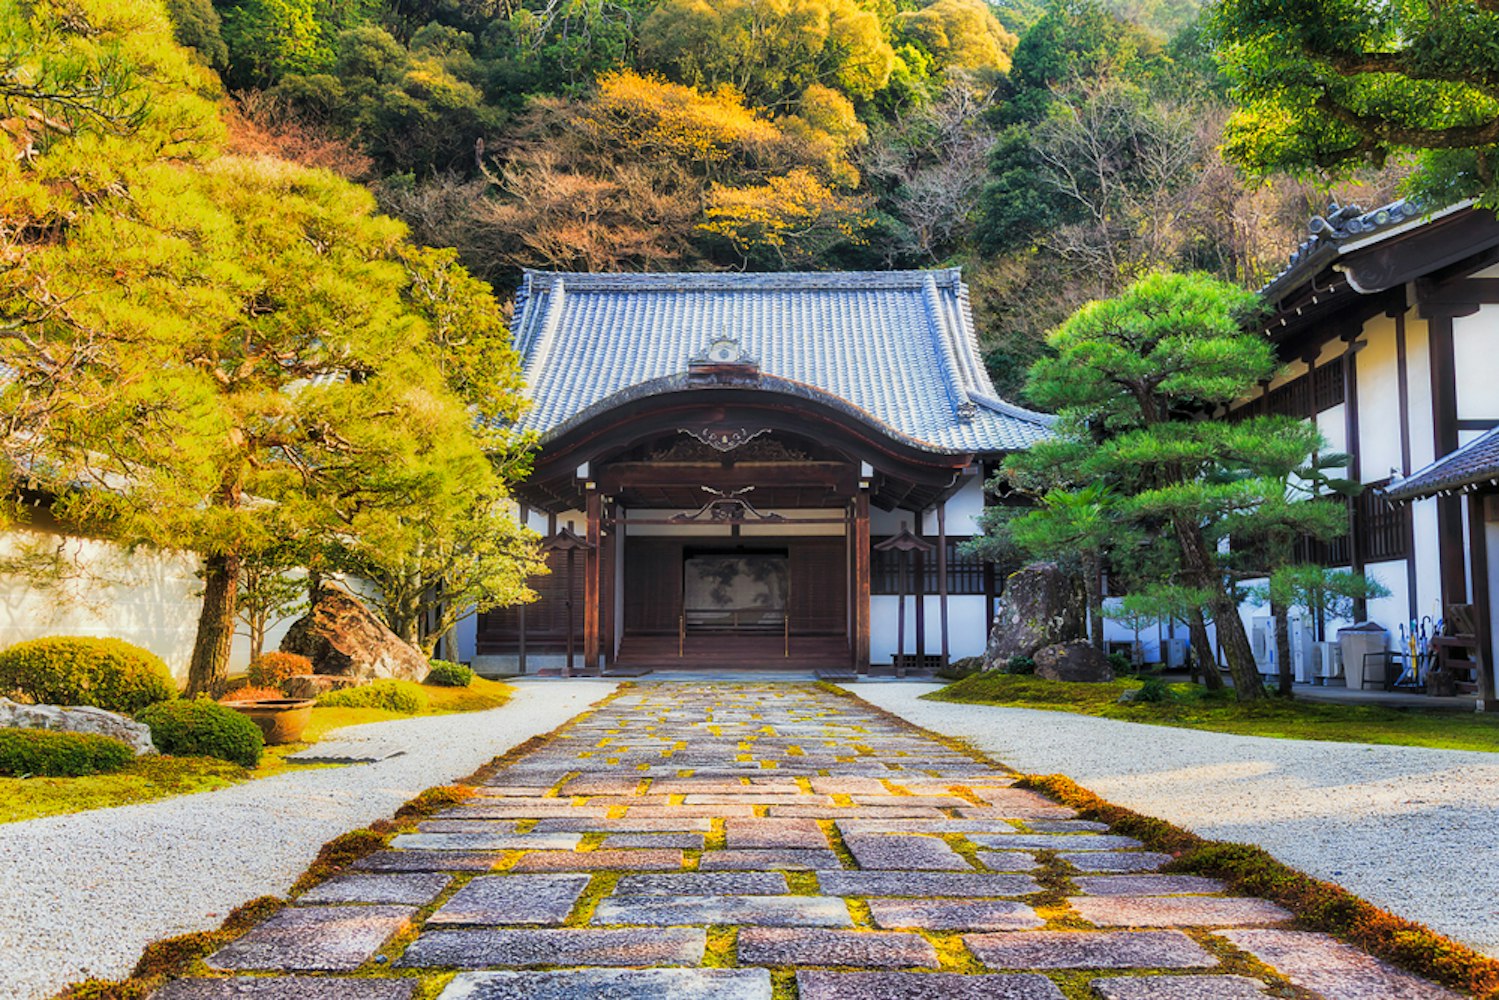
(745, 621)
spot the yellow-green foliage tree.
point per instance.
(962, 35)
(640, 174)
(212, 352)
(771, 50)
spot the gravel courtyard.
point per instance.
(1413, 830)
(84, 893)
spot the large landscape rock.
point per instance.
(80, 719)
(1039, 607)
(341, 636)
(315, 685)
(1073, 661)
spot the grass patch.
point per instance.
(1192, 707)
(144, 779)
(160, 776)
(1318, 905)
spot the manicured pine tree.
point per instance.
(1135, 379)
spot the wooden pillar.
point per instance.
(608, 553)
(1488, 676)
(1355, 467)
(592, 590)
(861, 581)
(520, 611)
(1402, 379)
(919, 559)
(942, 577)
(1450, 555)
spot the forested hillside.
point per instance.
(1054, 148)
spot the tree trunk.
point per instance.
(1283, 666)
(257, 636)
(215, 638)
(1198, 563)
(1094, 571)
(1202, 650)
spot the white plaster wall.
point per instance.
(1390, 611)
(1332, 424)
(149, 597)
(963, 508)
(1474, 339)
(1428, 566)
(1491, 539)
(1378, 398)
(1418, 370)
(967, 622)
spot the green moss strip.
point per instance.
(1319, 905)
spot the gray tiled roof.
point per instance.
(1474, 464)
(898, 346)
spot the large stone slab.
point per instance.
(314, 939)
(512, 899)
(1333, 970)
(1177, 911)
(1146, 885)
(867, 949)
(1007, 861)
(924, 986)
(668, 824)
(287, 988)
(427, 861)
(482, 949)
(1115, 861)
(1052, 841)
(498, 841)
(417, 889)
(925, 884)
(1179, 988)
(954, 914)
(781, 859)
(583, 861)
(899, 851)
(764, 911)
(1089, 950)
(731, 883)
(687, 841)
(612, 984)
(762, 833)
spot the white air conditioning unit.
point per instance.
(1174, 653)
(1303, 649)
(1327, 661)
(1262, 643)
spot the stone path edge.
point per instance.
(1253, 871)
(170, 958)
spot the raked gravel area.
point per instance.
(81, 895)
(1415, 831)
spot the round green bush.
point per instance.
(391, 695)
(204, 728)
(447, 674)
(75, 670)
(59, 754)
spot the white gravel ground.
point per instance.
(81, 895)
(1415, 831)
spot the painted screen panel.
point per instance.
(735, 590)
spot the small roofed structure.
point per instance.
(729, 441)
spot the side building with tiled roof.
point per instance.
(1388, 322)
(753, 469)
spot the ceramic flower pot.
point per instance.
(281, 720)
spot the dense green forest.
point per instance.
(1055, 149)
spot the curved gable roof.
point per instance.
(897, 345)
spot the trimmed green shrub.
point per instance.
(77, 670)
(1121, 663)
(449, 675)
(391, 695)
(958, 669)
(59, 754)
(1154, 691)
(270, 670)
(1020, 665)
(204, 728)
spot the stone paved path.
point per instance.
(744, 842)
